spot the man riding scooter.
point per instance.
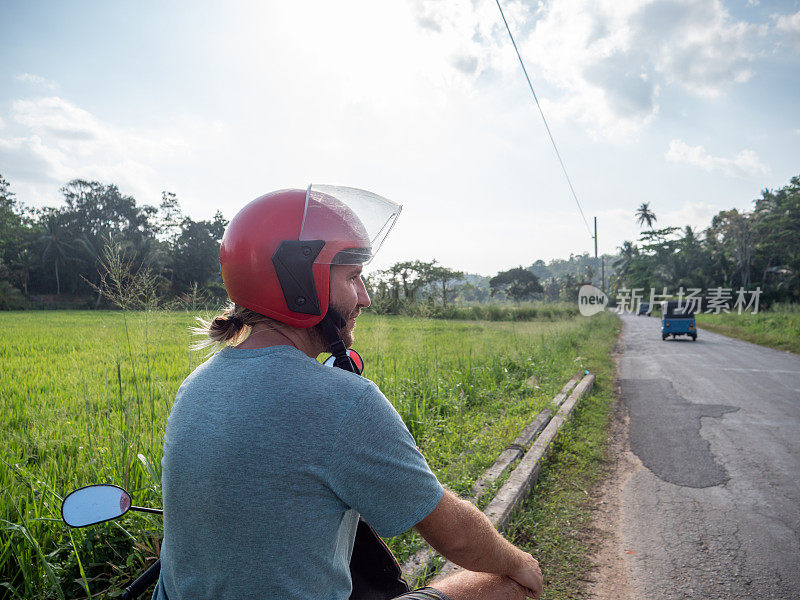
(273, 462)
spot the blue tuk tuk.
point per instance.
(677, 318)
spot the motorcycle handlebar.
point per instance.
(144, 581)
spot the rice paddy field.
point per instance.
(84, 398)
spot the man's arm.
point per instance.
(461, 533)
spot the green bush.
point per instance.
(10, 297)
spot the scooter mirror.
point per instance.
(94, 504)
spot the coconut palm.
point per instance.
(626, 253)
(622, 264)
(688, 261)
(645, 215)
(56, 246)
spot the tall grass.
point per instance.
(83, 394)
(85, 397)
(778, 327)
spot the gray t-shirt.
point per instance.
(269, 458)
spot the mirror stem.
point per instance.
(155, 511)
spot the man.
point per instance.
(270, 458)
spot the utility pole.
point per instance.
(603, 272)
(595, 242)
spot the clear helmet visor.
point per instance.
(350, 221)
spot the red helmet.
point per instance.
(277, 251)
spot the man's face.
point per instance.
(348, 296)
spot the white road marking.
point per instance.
(757, 370)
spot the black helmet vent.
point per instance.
(293, 262)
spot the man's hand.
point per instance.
(462, 533)
(529, 575)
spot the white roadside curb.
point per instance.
(519, 483)
(519, 446)
(522, 478)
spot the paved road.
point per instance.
(715, 513)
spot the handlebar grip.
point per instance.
(144, 581)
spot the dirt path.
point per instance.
(609, 576)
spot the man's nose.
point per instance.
(363, 296)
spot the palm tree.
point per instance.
(569, 285)
(24, 262)
(645, 215)
(55, 245)
(626, 253)
(622, 264)
(688, 261)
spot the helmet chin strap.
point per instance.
(331, 324)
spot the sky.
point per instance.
(690, 105)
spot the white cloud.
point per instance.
(696, 214)
(50, 141)
(27, 159)
(606, 62)
(789, 25)
(697, 45)
(37, 80)
(744, 164)
(56, 117)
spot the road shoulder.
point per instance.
(608, 577)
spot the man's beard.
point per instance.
(346, 333)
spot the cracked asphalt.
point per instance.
(715, 512)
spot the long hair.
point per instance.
(229, 328)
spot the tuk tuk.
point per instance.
(677, 318)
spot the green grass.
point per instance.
(778, 327)
(82, 394)
(553, 522)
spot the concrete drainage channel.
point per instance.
(544, 430)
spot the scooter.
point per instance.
(375, 572)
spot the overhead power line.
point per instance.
(546, 126)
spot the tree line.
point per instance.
(752, 249)
(52, 252)
(748, 249)
(403, 286)
(47, 253)
(58, 256)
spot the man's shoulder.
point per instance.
(342, 384)
(325, 395)
(279, 371)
